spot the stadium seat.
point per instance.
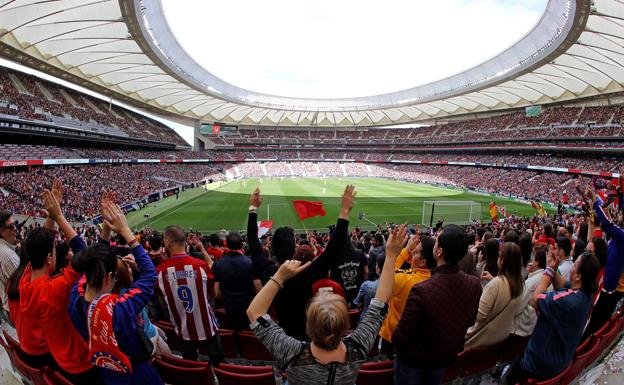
(514, 347)
(252, 348)
(178, 375)
(606, 339)
(452, 371)
(230, 378)
(480, 359)
(55, 378)
(11, 341)
(580, 362)
(585, 345)
(221, 319)
(354, 318)
(594, 351)
(377, 365)
(228, 342)
(172, 360)
(375, 377)
(172, 337)
(245, 369)
(34, 375)
(10, 351)
(556, 380)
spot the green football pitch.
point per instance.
(224, 205)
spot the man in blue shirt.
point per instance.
(562, 317)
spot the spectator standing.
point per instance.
(525, 320)
(564, 247)
(437, 314)
(290, 305)
(332, 357)
(9, 260)
(235, 282)
(419, 251)
(184, 283)
(377, 250)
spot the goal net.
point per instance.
(456, 212)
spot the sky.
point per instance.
(345, 48)
(338, 48)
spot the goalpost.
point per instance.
(456, 212)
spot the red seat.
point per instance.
(245, 369)
(354, 318)
(452, 371)
(55, 378)
(556, 380)
(221, 318)
(178, 375)
(480, 359)
(11, 341)
(514, 347)
(375, 377)
(609, 335)
(10, 352)
(35, 375)
(376, 365)
(228, 342)
(172, 337)
(172, 360)
(579, 364)
(585, 345)
(252, 348)
(230, 378)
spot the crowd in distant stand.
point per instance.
(426, 293)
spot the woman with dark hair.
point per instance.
(578, 249)
(526, 249)
(500, 301)
(109, 321)
(64, 255)
(489, 259)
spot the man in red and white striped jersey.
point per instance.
(185, 282)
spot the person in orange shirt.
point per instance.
(419, 254)
(44, 297)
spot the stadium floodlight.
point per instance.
(456, 212)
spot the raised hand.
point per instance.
(52, 205)
(348, 199)
(590, 193)
(289, 269)
(255, 199)
(486, 276)
(397, 239)
(130, 261)
(552, 258)
(116, 220)
(413, 242)
(195, 242)
(57, 189)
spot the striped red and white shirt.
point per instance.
(184, 282)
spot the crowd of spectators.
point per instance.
(553, 280)
(84, 184)
(32, 98)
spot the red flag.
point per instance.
(264, 227)
(307, 209)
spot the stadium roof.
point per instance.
(125, 49)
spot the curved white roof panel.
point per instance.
(126, 49)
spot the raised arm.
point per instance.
(610, 228)
(336, 243)
(255, 248)
(195, 242)
(53, 208)
(259, 306)
(396, 241)
(142, 289)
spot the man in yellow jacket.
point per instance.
(419, 255)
